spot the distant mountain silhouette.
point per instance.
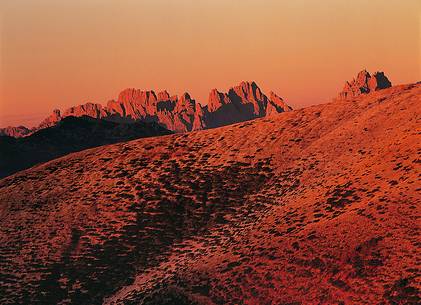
(16, 132)
(70, 134)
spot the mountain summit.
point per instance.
(241, 103)
(365, 83)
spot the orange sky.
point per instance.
(55, 54)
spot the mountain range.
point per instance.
(179, 114)
(318, 205)
(243, 102)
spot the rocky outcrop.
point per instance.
(89, 109)
(217, 99)
(364, 83)
(276, 105)
(248, 93)
(243, 102)
(51, 120)
(172, 112)
(180, 114)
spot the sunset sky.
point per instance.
(55, 54)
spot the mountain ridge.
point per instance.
(242, 102)
(177, 113)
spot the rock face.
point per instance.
(89, 109)
(16, 132)
(172, 112)
(276, 105)
(243, 102)
(180, 114)
(365, 83)
(51, 120)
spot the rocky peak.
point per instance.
(185, 103)
(247, 91)
(163, 96)
(137, 96)
(185, 97)
(51, 120)
(217, 99)
(198, 120)
(89, 109)
(365, 83)
(276, 104)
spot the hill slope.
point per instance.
(318, 205)
(69, 135)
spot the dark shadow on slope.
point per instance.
(163, 215)
(69, 135)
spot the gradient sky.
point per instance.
(55, 54)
